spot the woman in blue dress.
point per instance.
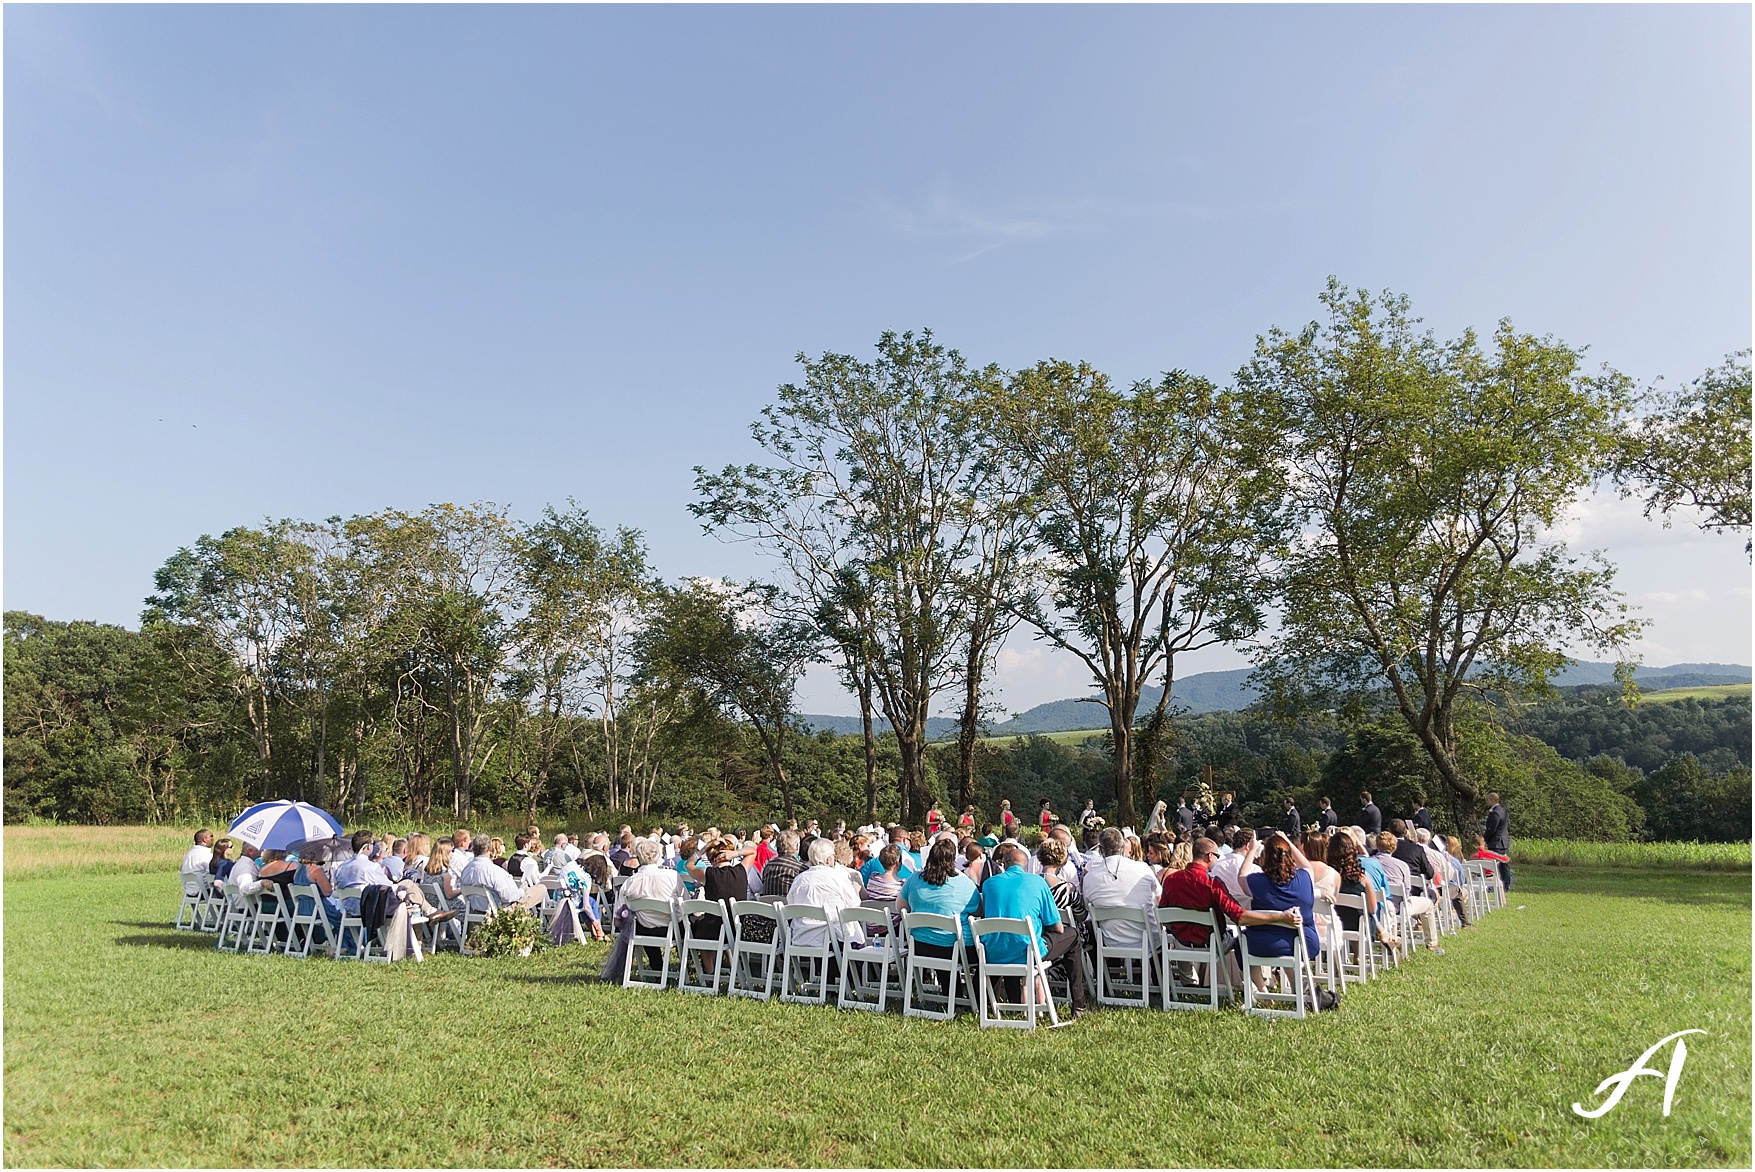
(1283, 883)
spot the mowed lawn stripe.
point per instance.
(127, 1043)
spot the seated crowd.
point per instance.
(430, 876)
(1267, 885)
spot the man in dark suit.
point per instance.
(1370, 817)
(1227, 816)
(1292, 824)
(1326, 818)
(1412, 853)
(1498, 836)
(1186, 817)
(1421, 817)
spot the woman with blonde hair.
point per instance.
(438, 871)
(419, 847)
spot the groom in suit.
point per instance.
(1498, 836)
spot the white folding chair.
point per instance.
(1327, 965)
(194, 900)
(695, 976)
(954, 969)
(1173, 991)
(804, 968)
(1031, 972)
(212, 909)
(272, 913)
(637, 970)
(304, 926)
(1475, 879)
(1124, 972)
(869, 972)
(1414, 931)
(1355, 952)
(1293, 970)
(240, 914)
(755, 964)
(352, 926)
(438, 930)
(472, 915)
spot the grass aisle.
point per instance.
(127, 1043)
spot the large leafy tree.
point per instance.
(1691, 450)
(738, 647)
(1428, 479)
(1150, 509)
(237, 589)
(581, 593)
(864, 506)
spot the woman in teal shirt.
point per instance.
(938, 889)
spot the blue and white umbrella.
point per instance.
(283, 825)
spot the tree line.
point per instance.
(1387, 497)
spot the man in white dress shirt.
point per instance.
(482, 871)
(196, 863)
(461, 844)
(557, 856)
(1236, 866)
(1075, 862)
(244, 871)
(824, 885)
(1119, 881)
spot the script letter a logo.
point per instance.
(1625, 1079)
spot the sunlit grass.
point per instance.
(130, 1044)
(1699, 856)
(1709, 692)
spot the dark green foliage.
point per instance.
(1644, 735)
(1549, 796)
(1685, 801)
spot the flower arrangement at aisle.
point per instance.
(511, 931)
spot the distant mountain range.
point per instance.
(1229, 691)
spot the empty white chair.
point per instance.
(1173, 991)
(804, 968)
(1294, 970)
(638, 971)
(1031, 972)
(953, 969)
(1124, 973)
(755, 964)
(696, 975)
(869, 971)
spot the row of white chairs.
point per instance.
(888, 966)
(742, 963)
(265, 922)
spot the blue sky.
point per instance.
(315, 260)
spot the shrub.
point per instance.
(509, 932)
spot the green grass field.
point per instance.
(1712, 692)
(1070, 737)
(129, 1044)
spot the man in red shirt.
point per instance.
(1194, 887)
